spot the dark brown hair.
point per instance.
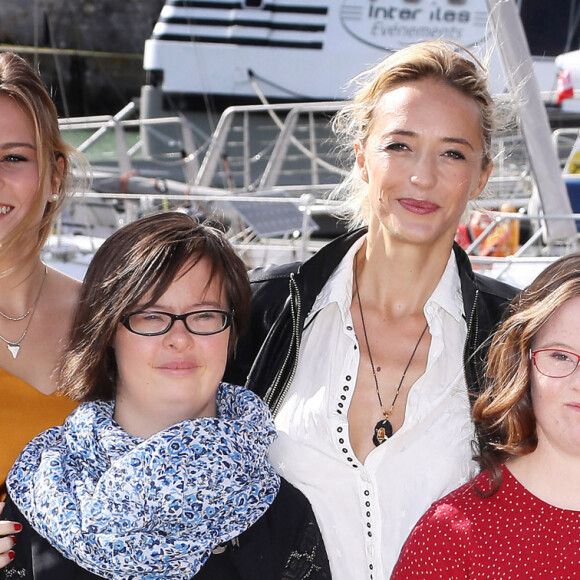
(142, 258)
(504, 413)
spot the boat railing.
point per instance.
(245, 218)
(253, 148)
(163, 139)
(567, 143)
(257, 147)
(529, 254)
(261, 157)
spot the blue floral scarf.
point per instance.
(128, 508)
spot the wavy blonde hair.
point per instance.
(439, 60)
(19, 82)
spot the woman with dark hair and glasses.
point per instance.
(520, 518)
(162, 471)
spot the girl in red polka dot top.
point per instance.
(520, 518)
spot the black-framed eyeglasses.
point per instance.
(155, 322)
(555, 362)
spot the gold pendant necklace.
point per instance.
(383, 428)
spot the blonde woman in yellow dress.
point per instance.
(36, 302)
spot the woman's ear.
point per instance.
(361, 162)
(56, 179)
(482, 181)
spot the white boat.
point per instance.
(239, 50)
(292, 49)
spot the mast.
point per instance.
(518, 68)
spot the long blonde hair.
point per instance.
(19, 82)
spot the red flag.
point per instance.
(565, 89)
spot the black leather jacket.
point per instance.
(266, 357)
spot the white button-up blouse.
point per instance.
(366, 510)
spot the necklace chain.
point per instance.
(18, 318)
(14, 346)
(383, 425)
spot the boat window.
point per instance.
(253, 3)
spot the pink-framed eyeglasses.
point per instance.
(555, 362)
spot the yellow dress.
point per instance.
(24, 413)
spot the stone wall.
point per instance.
(86, 83)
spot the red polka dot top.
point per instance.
(512, 534)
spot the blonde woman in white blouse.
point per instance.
(365, 351)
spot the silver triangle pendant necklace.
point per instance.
(14, 345)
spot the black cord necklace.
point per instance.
(383, 429)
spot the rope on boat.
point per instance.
(280, 124)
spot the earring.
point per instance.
(54, 197)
